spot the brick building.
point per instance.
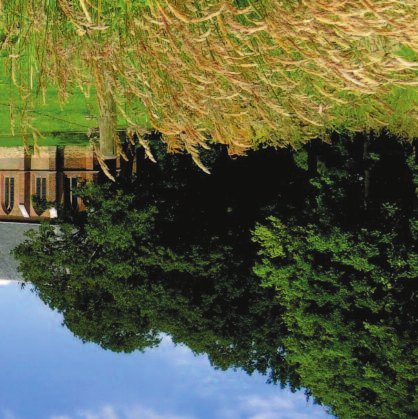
(48, 174)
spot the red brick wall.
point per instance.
(51, 188)
(76, 157)
(19, 196)
(12, 158)
(45, 159)
(15, 163)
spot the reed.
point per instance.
(242, 73)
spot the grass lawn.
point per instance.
(44, 112)
(55, 139)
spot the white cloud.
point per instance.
(285, 406)
(7, 414)
(110, 412)
(140, 413)
(107, 412)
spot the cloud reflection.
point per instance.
(253, 407)
(110, 412)
(4, 282)
(285, 406)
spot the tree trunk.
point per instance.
(415, 156)
(312, 149)
(366, 172)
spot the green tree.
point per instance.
(172, 253)
(65, 261)
(347, 281)
(125, 271)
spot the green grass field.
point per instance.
(43, 114)
(60, 139)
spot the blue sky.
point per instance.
(47, 373)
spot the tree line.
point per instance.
(278, 263)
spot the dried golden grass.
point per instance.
(212, 71)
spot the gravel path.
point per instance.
(11, 234)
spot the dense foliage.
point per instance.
(347, 281)
(172, 253)
(161, 255)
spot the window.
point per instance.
(9, 193)
(71, 200)
(41, 188)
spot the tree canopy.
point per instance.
(329, 304)
(160, 255)
(347, 281)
